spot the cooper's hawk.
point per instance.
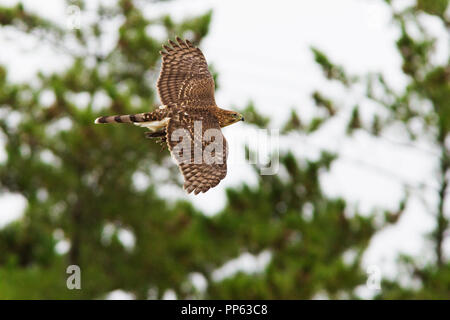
(189, 119)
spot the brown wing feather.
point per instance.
(184, 78)
(199, 176)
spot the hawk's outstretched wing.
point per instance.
(185, 78)
(197, 144)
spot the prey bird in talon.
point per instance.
(188, 120)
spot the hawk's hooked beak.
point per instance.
(242, 118)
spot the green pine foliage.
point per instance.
(428, 85)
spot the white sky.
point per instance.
(261, 51)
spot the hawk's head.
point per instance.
(229, 117)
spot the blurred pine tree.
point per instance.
(422, 109)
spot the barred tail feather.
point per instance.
(127, 118)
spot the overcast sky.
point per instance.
(261, 52)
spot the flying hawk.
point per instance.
(188, 120)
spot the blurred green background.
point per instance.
(78, 180)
